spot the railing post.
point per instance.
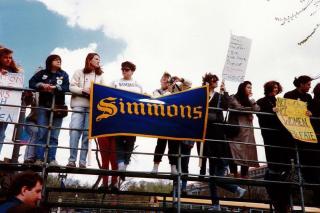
(300, 177)
(46, 153)
(179, 180)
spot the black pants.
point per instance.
(173, 148)
(204, 159)
(124, 148)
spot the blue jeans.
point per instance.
(218, 167)
(3, 127)
(43, 119)
(79, 121)
(32, 131)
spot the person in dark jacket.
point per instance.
(50, 82)
(278, 136)
(217, 149)
(307, 155)
(25, 189)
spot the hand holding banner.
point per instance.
(292, 114)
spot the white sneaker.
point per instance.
(174, 169)
(241, 192)
(53, 163)
(121, 166)
(215, 207)
(155, 168)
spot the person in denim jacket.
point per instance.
(7, 65)
(50, 82)
(80, 87)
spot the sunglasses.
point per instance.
(126, 69)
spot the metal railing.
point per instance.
(46, 169)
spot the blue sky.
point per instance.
(32, 31)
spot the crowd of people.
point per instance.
(52, 82)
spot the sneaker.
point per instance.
(82, 166)
(174, 170)
(38, 162)
(215, 207)
(53, 163)
(71, 164)
(121, 166)
(241, 192)
(155, 168)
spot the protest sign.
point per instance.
(292, 114)
(10, 97)
(237, 59)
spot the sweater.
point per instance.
(82, 81)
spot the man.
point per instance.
(25, 189)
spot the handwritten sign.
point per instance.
(10, 114)
(292, 114)
(237, 59)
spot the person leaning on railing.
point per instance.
(7, 65)
(80, 87)
(52, 81)
(277, 136)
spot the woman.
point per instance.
(80, 88)
(50, 82)
(216, 148)
(7, 65)
(307, 158)
(279, 193)
(244, 154)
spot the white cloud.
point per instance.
(189, 38)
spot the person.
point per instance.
(307, 156)
(31, 129)
(24, 208)
(107, 147)
(162, 143)
(125, 144)
(217, 150)
(245, 154)
(80, 101)
(7, 65)
(25, 188)
(52, 81)
(277, 136)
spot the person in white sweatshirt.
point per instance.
(125, 144)
(80, 88)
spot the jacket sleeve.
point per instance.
(75, 84)
(35, 82)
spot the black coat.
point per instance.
(214, 128)
(278, 137)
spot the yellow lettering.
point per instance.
(197, 112)
(108, 107)
(153, 109)
(175, 110)
(182, 111)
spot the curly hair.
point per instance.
(128, 64)
(208, 77)
(269, 86)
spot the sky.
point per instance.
(186, 38)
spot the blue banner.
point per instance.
(180, 116)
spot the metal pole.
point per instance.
(46, 153)
(300, 177)
(179, 179)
